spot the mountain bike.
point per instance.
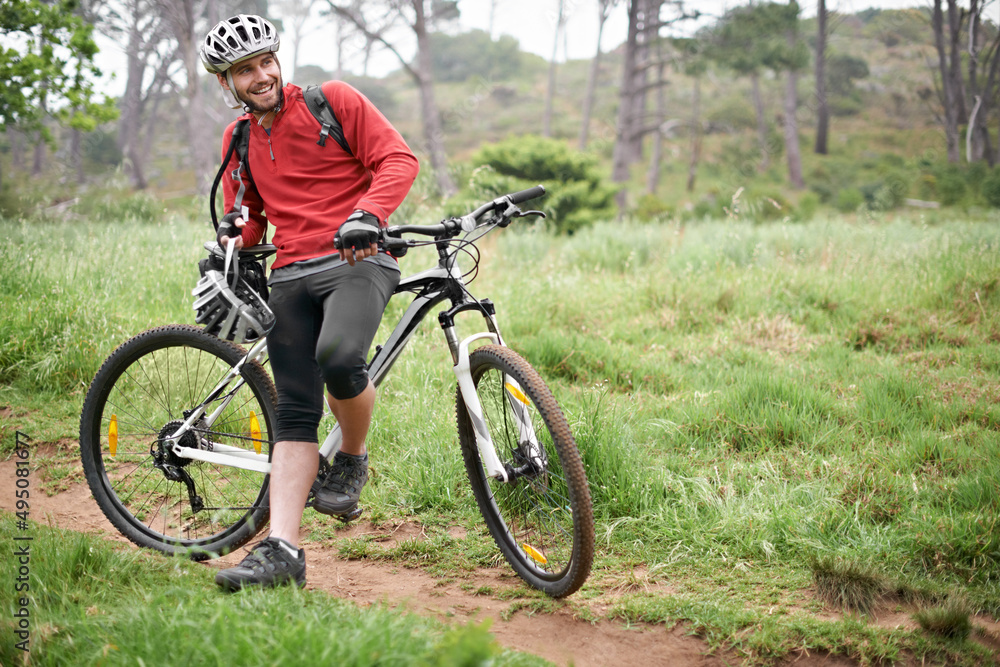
(177, 425)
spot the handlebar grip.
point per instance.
(525, 195)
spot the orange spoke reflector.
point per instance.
(516, 393)
(113, 435)
(255, 431)
(535, 554)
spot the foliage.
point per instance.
(991, 188)
(842, 70)
(47, 62)
(753, 38)
(893, 27)
(577, 196)
(474, 54)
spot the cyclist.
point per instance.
(327, 303)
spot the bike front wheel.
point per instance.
(541, 518)
(140, 396)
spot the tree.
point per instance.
(373, 19)
(550, 89)
(692, 58)
(645, 21)
(822, 107)
(950, 71)
(47, 65)
(604, 8)
(969, 99)
(182, 18)
(762, 37)
(149, 54)
(792, 60)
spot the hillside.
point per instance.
(885, 136)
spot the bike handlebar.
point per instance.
(454, 225)
(525, 195)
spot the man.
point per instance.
(328, 304)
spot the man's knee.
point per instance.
(344, 374)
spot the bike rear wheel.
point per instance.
(542, 518)
(139, 398)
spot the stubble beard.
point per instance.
(260, 109)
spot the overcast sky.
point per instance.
(532, 22)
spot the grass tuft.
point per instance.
(849, 585)
(949, 621)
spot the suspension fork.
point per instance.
(513, 392)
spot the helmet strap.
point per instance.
(229, 96)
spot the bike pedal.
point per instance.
(348, 517)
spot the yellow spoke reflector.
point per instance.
(535, 554)
(113, 435)
(255, 431)
(517, 393)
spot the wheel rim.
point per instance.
(535, 509)
(143, 402)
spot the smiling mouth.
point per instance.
(263, 91)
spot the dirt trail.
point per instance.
(559, 637)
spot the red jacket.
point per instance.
(308, 190)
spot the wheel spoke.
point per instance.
(541, 518)
(149, 384)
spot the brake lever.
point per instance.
(514, 212)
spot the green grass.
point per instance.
(750, 400)
(95, 603)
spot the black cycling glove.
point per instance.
(227, 226)
(359, 231)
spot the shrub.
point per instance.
(991, 188)
(808, 205)
(849, 199)
(577, 193)
(651, 207)
(949, 183)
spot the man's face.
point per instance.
(257, 82)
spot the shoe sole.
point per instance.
(345, 515)
(233, 586)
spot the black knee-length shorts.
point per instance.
(325, 325)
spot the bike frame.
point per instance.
(431, 288)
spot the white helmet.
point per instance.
(232, 312)
(236, 39)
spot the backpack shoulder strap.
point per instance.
(329, 126)
(239, 143)
(241, 137)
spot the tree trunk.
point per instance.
(758, 106)
(695, 134)
(38, 162)
(792, 131)
(76, 153)
(131, 106)
(595, 67)
(433, 131)
(822, 106)
(656, 154)
(948, 91)
(626, 113)
(955, 65)
(182, 17)
(550, 89)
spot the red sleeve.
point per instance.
(256, 221)
(379, 147)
